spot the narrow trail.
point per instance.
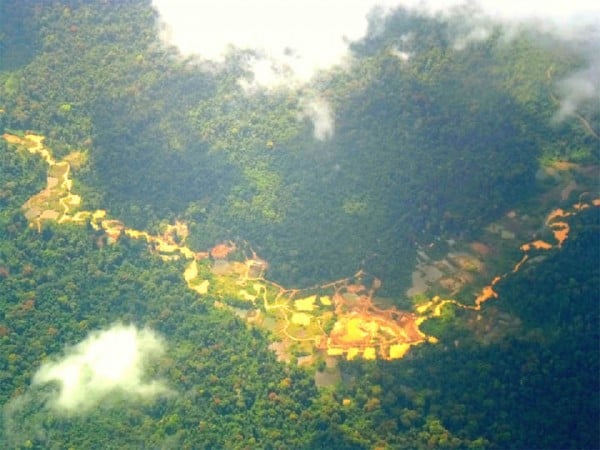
(555, 221)
(339, 318)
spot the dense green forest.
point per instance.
(425, 151)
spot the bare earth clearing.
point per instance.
(341, 318)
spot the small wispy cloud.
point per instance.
(577, 89)
(319, 112)
(106, 362)
(104, 369)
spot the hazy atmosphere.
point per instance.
(299, 224)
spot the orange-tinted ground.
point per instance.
(340, 318)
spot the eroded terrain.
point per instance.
(343, 318)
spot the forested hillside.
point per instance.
(434, 140)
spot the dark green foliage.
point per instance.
(436, 146)
(568, 298)
(424, 150)
(18, 35)
(147, 138)
(534, 390)
(61, 286)
(21, 174)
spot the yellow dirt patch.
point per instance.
(370, 353)
(539, 245)
(49, 215)
(201, 288)
(190, 272)
(335, 351)
(301, 319)
(81, 216)
(422, 309)
(306, 304)
(353, 331)
(561, 232)
(179, 229)
(245, 295)
(486, 293)
(187, 252)
(325, 300)
(76, 159)
(166, 247)
(51, 182)
(352, 353)
(72, 200)
(398, 351)
(97, 217)
(136, 234)
(12, 139)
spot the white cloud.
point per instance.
(300, 36)
(402, 56)
(577, 89)
(319, 112)
(308, 35)
(105, 363)
(294, 39)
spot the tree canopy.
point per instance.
(433, 142)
